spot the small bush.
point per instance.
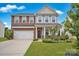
(55, 37)
(68, 41)
(62, 37)
(49, 41)
(35, 40)
(71, 52)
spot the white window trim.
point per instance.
(31, 18)
(16, 18)
(24, 18)
(40, 18)
(45, 19)
(53, 18)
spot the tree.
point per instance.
(73, 13)
(67, 24)
(8, 33)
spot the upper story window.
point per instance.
(46, 19)
(39, 18)
(23, 19)
(31, 19)
(16, 19)
(53, 19)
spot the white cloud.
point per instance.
(5, 23)
(21, 7)
(8, 8)
(59, 12)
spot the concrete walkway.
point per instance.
(14, 47)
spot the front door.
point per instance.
(39, 32)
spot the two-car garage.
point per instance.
(24, 34)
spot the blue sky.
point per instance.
(6, 9)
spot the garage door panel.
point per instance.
(24, 34)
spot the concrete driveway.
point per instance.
(14, 47)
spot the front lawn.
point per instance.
(48, 49)
(3, 39)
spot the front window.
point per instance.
(46, 18)
(53, 20)
(23, 19)
(31, 19)
(16, 19)
(39, 18)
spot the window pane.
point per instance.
(16, 20)
(53, 20)
(31, 19)
(46, 19)
(39, 20)
(24, 21)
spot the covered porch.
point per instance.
(44, 30)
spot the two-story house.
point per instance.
(1, 29)
(34, 26)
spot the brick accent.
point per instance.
(27, 19)
(20, 19)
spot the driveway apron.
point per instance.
(14, 47)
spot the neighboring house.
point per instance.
(1, 29)
(34, 26)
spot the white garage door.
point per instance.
(29, 34)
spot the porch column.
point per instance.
(44, 32)
(36, 33)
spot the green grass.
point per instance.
(3, 39)
(48, 49)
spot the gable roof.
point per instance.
(47, 10)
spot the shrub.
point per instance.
(35, 40)
(49, 41)
(71, 52)
(68, 41)
(55, 37)
(8, 33)
(62, 37)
